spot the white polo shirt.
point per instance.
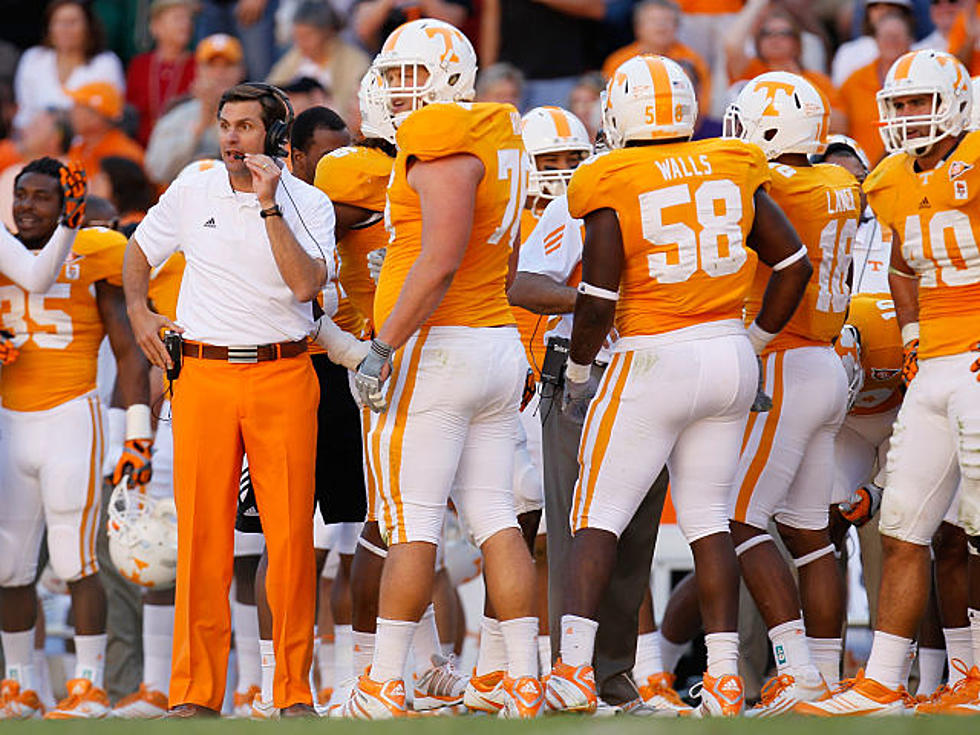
(232, 293)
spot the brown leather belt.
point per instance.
(244, 354)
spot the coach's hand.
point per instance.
(135, 463)
(580, 386)
(265, 178)
(372, 374)
(147, 326)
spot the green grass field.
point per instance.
(554, 725)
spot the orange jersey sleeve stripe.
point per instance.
(765, 444)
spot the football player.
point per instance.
(669, 226)
(446, 356)
(786, 468)
(48, 398)
(925, 194)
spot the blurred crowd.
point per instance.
(131, 87)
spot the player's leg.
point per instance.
(949, 547)
(930, 647)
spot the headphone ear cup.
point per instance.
(275, 139)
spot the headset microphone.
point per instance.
(238, 156)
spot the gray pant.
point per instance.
(615, 646)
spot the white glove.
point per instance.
(342, 347)
(375, 260)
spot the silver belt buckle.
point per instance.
(243, 354)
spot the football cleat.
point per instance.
(16, 704)
(440, 685)
(485, 693)
(571, 689)
(84, 701)
(658, 693)
(860, 696)
(323, 696)
(781, 693)
(143, 704)
(960, 699)
(242, 705)
(720, 697)
(262, 710)
(374, 700)
(524, 698)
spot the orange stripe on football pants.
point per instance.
(222, 410)
(85, 557)
(96, 471)
(765, 443)
(584, 472)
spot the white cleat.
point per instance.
(262, 710)
(242, 704)
(571, 689)
(860, 696)
(373, 700)
(18, 705)
(723, 696)
(485, 693)
(143, 704)
(658, 694)
(782, 693)
(440, 685)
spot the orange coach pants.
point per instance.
(220, 410)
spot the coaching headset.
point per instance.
(278, 131)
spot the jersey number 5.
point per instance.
(18, 306)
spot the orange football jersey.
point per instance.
(823, 203)
(936, 217)
(164, 287)
(530, 325)
(59, 331)
(356, 176)
(873, 314)
(685, 210)
(490, 131)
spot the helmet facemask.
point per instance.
(942, 120)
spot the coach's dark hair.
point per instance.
(48, 167)
(272, 108)
(309, 121)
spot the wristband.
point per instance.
(787, 262)
(759, 337)
(382, 349)
(576, 373)
(600, 293)
(138, 422)
(909, 332)
(273, 211)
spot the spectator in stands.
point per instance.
(305, 93)
(155, 79)
(943, 15)
(72, 54)
(94, 117)
(655, 23)
(583, 101)
(964, 38)
(706, 126)
(894, 35)
(861, 51)
(501, 82)
(374, 20)
(320, 53)
(705, 25)
(252, 22)
(49, 134)
(778, 47)
(189, 131)
(124, 183)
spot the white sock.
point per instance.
(325, 657)
(975, 633)
(887, 662)
(42, 677)
(245, 621)
(425, 641)
(826, 655)
(577, 640)
(343, 652)
(392, 643)
(544, 654)
(670, 652)
(521, 641)
(959, 645)
(90, 658)
(267, 653)
(363, 651)
(722, 654)
(18, 657)
(907, 665)
(791, 651)
(158, 643)
(493, 651)
(648, 661)
(931, 663)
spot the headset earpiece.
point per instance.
(278, 131)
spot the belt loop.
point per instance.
(278, 347)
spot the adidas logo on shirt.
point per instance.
(210, 223)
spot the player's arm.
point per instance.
(145, 324)
(779, 247)
(447, 197)
(132, 385)
(348, 217)
(541, 294)
(904, 285)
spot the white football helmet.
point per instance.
(975, 107)
(436, 46)
(648, 98)
(781, 113)
(143, 537)
(552, 130)
(842, 140)
(927, 72)
(375, 120)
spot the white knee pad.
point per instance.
(802, 561)
(65, 561)
(752, 543)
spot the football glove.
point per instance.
(910, 361)
(375, 260)
(862, 506)
(974, 368)
(134, 463)
(577, 396)
(368, 380)
(8, 352)
(762, 402)
(529, 387)
(73, 190)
